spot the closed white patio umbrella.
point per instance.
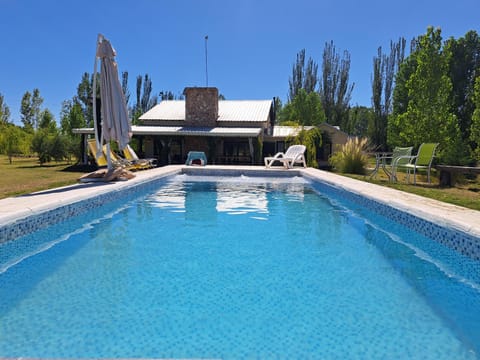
(116, 125)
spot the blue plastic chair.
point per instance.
(196, 158)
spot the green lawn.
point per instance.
(466, 192)
(25, 175)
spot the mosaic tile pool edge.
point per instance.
(30, 224)
(457, 240)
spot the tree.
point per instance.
(125, 90)
(12, 140)
(30, 109)
(145, 100)
(47, 142)
(72, 117)
(85, 96)
(4, 111)
(429, 116)
(475, 127)
(302, 77)
(277, 108)
(400, 95)
(335, 90)
(464, 67)
(305, 109)
(47, 121)
(360, 118)
(384, 69)
(168, 95)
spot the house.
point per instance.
(228, 131)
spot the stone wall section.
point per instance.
(201, 106)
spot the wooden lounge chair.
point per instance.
(293, 155)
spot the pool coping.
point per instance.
(15, 209)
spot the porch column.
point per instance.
(83, 150)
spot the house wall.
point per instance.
(196, 143)
(201, 106)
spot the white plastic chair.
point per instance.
(293, 155)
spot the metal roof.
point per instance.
(286, 131)
(228, 110)
(166, 110)
(187, 131)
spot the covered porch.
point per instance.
(171, 144)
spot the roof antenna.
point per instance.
(206, 59)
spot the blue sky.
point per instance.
(252, 44)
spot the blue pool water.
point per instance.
(239, 268)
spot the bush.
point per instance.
(48, 146)
(351, 158)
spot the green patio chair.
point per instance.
(386, 160)
(423, 161)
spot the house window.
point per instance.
(176, 152)
(236, 152)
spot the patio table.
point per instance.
(381, 158)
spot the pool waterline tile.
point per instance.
(453, 226)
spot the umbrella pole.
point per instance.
(109, 158)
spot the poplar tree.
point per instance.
(303, 77)
(335, 89)
(125, 90)
(384, 70)
(145, 100)
(30, 109)
(4, 111)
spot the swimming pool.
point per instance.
(248, 267)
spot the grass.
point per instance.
(25, 175)
(465, 193)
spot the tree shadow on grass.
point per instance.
(83, 168)
(71, 168)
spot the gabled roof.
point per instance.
(166, 110)
(228, 110)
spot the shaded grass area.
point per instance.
(25, 175)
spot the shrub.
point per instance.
(312, 139)
(351, 158)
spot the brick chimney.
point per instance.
(201, 106)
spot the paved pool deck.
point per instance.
(466, 220)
